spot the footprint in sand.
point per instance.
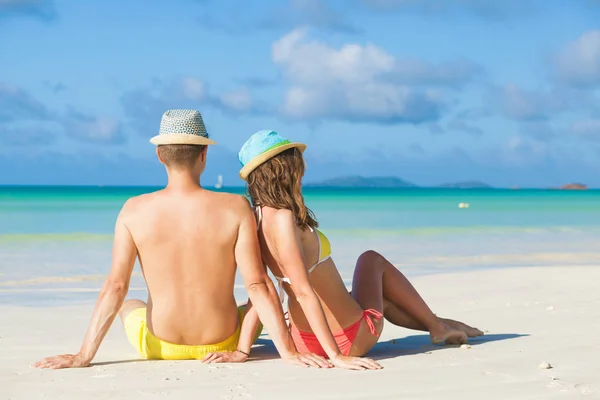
(153, 393)
(237, 391)
(585, 389)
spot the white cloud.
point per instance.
(461, 125)
(579, 62)
(362, 82)
(97, 129)
(237, 100)
(193, 89)
(144, 106)
(17, 104)
(491, 9)
(41, 9)
(314, 62)
(589, 128)
(538, 130)
(519, 104)
(26, 136)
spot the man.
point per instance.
(188, 241)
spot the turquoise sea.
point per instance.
(55, 242)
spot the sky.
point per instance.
(431, 91)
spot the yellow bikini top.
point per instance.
(324, 254)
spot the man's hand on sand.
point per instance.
(63, 361)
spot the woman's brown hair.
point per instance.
(277, 183)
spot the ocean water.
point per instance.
(55, 242)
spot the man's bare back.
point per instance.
(185, 243)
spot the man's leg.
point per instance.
(135, 324)
(128, 306)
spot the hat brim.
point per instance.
(267, 155)
(177, 138)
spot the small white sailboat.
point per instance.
(219, 184)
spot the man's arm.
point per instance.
(260, 288)
(109, 301)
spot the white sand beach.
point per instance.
(532, 315)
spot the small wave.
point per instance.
(55, 237)
(59, 279)
(511, 259)
(445, 230)
(64, 290)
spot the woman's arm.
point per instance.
(283, 240)
(286, 248)
(264, 296)
(247, 334)
(248, 331)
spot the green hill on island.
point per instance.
(466, 185)
(364, 182)
(389, 182)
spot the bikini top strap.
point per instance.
(280, 282)
(258, 217)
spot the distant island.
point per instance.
(466, 185)
(574, 186)
(389, 182)
(364, 182)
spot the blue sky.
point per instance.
(431, 91)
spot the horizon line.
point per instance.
(319, 186)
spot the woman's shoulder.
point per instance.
(276, 213)
(281, 218)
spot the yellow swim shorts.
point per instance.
(151, 347)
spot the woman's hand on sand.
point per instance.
(225, 357)
(63, 361)
(355, 363)
(308, 360)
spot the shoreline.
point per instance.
(17, 292)
(532, 315)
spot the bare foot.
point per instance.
(446, 334)
(469, 330)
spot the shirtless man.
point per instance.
(188, 241)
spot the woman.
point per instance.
(324, 318)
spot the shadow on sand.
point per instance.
(417, 344)
(409, 345)
(99, 364)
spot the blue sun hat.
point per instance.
(261, 147)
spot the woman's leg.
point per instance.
(398, 316)
(377, 282)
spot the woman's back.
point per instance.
(341, 310)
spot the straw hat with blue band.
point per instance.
(182, 127)
(262, 146)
